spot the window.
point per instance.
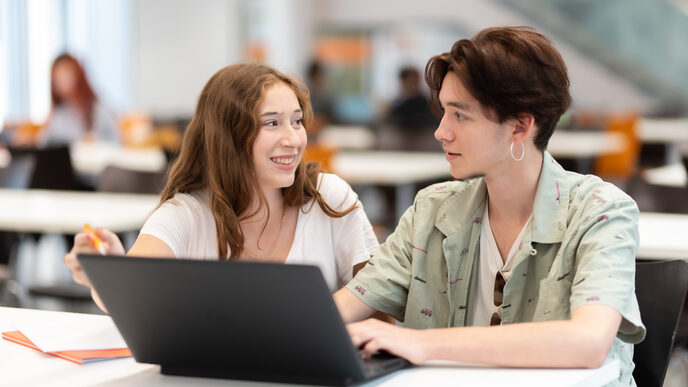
(34, 32)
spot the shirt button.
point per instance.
(533, 251)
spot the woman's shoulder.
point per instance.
(335, 190)
(194, 202)
(331, 182)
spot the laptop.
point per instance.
(237, 320)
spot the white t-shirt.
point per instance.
(489, 263)
(186, 224)
(65, 126)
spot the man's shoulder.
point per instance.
(585, 188)
(591, 198)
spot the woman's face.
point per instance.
(281, 140)
(64, 79)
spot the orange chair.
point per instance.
(135, 128)
(320, 153)
(26, 134)
(621, 165)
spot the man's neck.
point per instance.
(511, 194)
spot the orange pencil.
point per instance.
(97, 242)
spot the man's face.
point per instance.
(474, 144)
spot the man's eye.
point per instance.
(460, 116)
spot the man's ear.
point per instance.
(523, 126)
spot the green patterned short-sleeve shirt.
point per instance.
(578, 249)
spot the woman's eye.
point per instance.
(298, 122)
(270, 123)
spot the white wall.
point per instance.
(178, 45)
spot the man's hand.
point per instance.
(373, 335)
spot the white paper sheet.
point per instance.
(73, 332)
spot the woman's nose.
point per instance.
(290, 137)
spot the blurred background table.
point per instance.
(663, 236)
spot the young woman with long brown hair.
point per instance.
(76, 113)
(238, 189)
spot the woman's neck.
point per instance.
(275, 204)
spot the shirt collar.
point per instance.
(550, 208)
(452, 216)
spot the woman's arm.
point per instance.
(145, 246)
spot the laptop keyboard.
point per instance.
(382, 362)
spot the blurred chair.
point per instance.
(320, 153)
(135, 128)
(18, 173)
(117, 179)
(661, 291)
(621, 165)
(45, 168)
(53, 169)
(168, 137)
(26, 133)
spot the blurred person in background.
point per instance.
(411, 110)
(410, 120)
(321, 97)
(76, 113)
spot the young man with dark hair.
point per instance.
(518, 262)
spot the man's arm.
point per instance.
(583, 341)
(351, 307)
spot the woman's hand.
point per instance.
(83, 244)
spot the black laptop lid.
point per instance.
(244, 320)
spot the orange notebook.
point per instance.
(78, 357)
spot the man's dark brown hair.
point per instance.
(509, 70)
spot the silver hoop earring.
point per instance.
(523, 152)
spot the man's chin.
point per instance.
(468, 177)
(472, 178)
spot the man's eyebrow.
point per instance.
(460, 105)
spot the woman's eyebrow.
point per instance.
(276, 113)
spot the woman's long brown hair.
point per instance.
(216, 152)
(84, 97)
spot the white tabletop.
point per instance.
(390, 168)
(663, 130)
(672, 175)
(21, 366)
(92, 158)
(348, 137)
(67, 211)
(663, 236)
(584, 144)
